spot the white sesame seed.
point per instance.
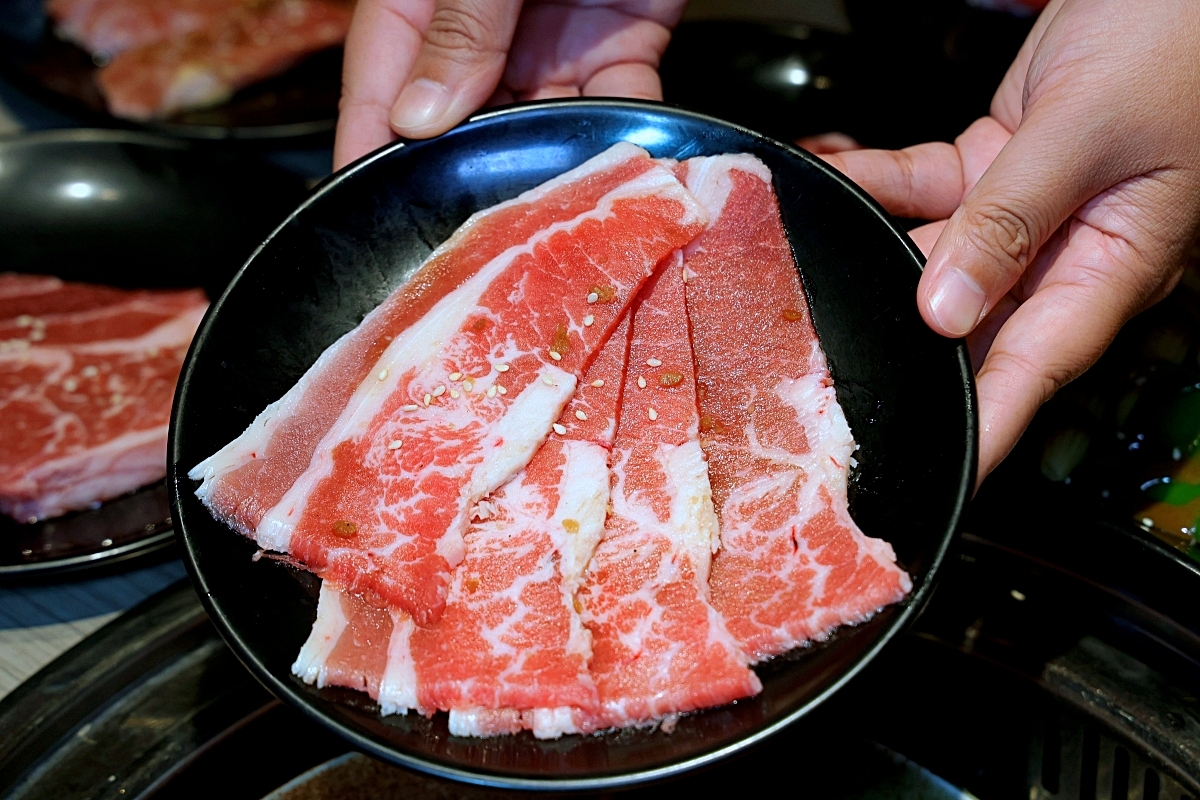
(588, 321)
(394, 444)
(410, 407)
(653, 362)
(652, 414)
(546, 379)
(454, 376)
(502, 368)
(501, 390)
(641, 382)
(579, 415)
(454, 393)
(593, 297)
(555, 355)
(383, 373)
(89, 371)
(24, 321)
(36, 335)
(598, 383)
(560, 429)
(685, 274)
(468, 385)
(117, 398)
(428, 399)
(491, 392)
(438, 390)
(70, 384)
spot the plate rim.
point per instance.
(908, 608)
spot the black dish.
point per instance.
(155, 213)
(908, 395)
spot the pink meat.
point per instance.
(793, 565)
(459, 402)
(510, 649)
(86, 393)
(108, 27)
(659, 647)
(250, 475)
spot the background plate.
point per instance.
(907, 393)
(158, 213)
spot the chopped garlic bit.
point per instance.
(560, 429)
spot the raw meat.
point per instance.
(228, 51)
(108, 27)
(793, 565)
(384, 503)
(250, 475)
(510, 652)
(659, 647)
(85, 392)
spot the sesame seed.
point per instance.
(641, 382)
(36, 335)
(555, 356)
(410, 407)
(89, 371)
(116, 398)
(468, 385)
(653, 362)
(598, 383)
(383, 373)
(652, 414)
(70, 384)
(454, 376)
(501, 390)
(546, 379)
(560, 429)
(24, 321)
(438, 390)
(579, 415)
(491, 392)
(394, 444)
(588, 321)
(428, 399)
(502, 368)
(685, 274)
(593, 297)
(454, 393)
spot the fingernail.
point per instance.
(421, 104)
(957, 302)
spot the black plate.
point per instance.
(154, 213)
(298, 103)
(908, 395)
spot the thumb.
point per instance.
(1047, 170)
(459, 66)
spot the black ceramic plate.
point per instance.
(908, 395)
(300, 102)
(133, 210)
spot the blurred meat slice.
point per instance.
(85, 393)
(107, 27)
(205, 65)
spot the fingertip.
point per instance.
(422, 109)
(952, 302)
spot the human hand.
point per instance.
(418, 67)
(1066, 211)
